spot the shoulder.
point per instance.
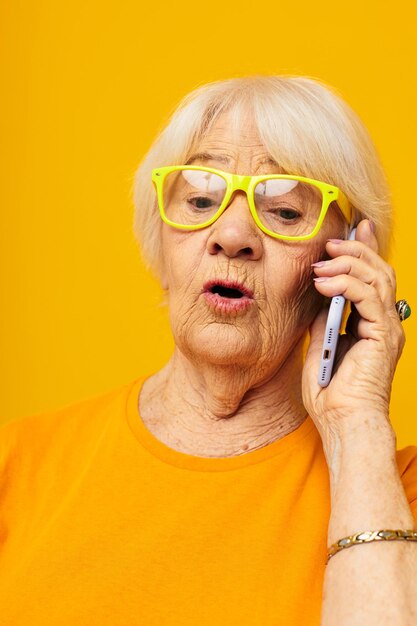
(44, 456)
(25, 439)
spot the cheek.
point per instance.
(291, 270)
(292, 299)
(295, 259)
(183, 253)
(334, 225)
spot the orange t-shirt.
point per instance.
(101, 524)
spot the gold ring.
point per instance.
(403, 309)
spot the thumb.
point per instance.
(365, 233)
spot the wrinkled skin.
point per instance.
(234, 381)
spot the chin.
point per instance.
(220, 344)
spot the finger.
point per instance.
(340, 247)
(356, 327)
(365, 248)
(364, 245)
(364, 297)
(381, 277)
(371, 321)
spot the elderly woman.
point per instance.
(231, 488)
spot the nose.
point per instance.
(235, 233)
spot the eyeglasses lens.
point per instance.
(288, 207)
(192, 197)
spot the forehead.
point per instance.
(234, 127)
(232, 139)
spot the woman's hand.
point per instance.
(357, 399)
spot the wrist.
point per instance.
(359, 442)
(367, 494)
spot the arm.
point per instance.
(372, 584)
(369, 584)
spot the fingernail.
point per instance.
(371, 225)
(321, 279)
(318, 264)
(335, 240)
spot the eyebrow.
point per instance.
(206, 156)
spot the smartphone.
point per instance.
(331, 335)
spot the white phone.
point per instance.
(331, 335)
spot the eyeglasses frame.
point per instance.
(247, 183)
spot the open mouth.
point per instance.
(228, 289)
(226, 292)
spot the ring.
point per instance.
(403, 309)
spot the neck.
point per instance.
(220, 411)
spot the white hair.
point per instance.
(305, 126)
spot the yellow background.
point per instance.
(86, 85)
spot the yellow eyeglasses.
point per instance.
(285, 207)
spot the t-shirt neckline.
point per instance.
(208, 464)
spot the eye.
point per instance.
(201, 202)
(288, 214)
